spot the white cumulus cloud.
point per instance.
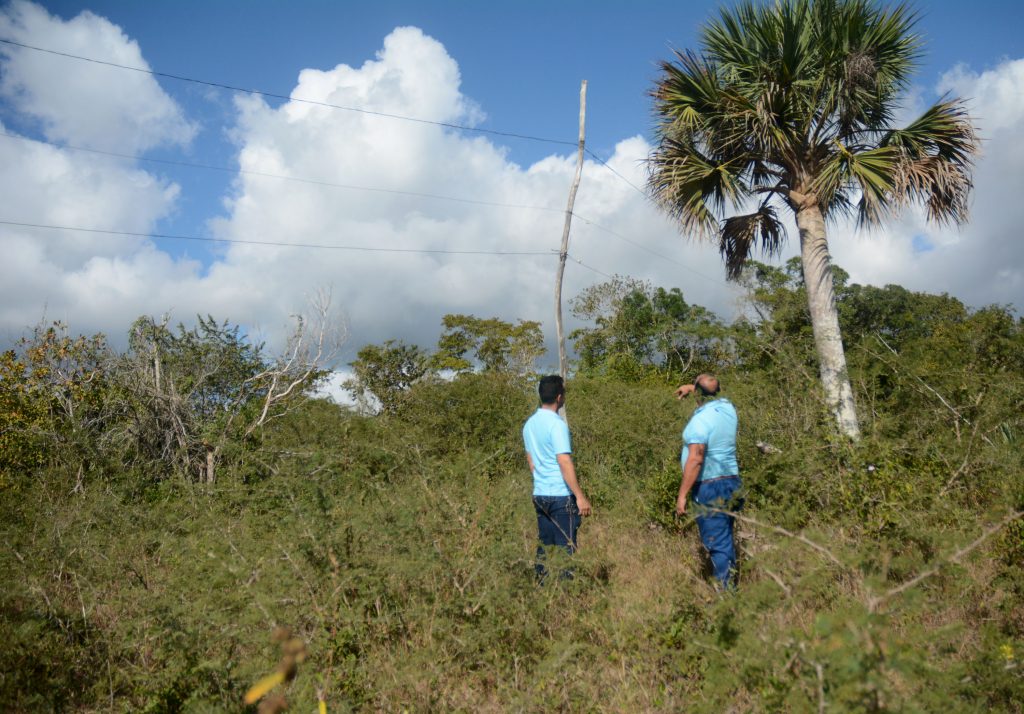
(81, 102)
(981, 262)
(95, 281)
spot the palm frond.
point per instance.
(741, 234)
(867, 56)
(937, 153)
(688, 92)
(692, 187)
(869, 170)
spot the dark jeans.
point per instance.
(558, 519)
(716, 528)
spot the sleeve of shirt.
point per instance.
(696, 432)
(560, 440)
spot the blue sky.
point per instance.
(516, 64)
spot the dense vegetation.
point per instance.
(384, 562)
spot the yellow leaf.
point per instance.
(263, 686)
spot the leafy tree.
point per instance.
(778, 298)
(791, 105)
(20, 448)
(498, 346)
(637, 327)
(53, 392)
(385, 372)
(189, 393)
(894, 313)
(185, 387)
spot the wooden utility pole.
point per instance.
(563, 366)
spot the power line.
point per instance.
(332, 185)
(604, 163)
(274, 95)
(322, 246)
(623, 238)
(319, 246)
(315, 182)
(301, 245)
(592, 269)
(226, 169)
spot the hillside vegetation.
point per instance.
(384, 561)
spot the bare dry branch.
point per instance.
(313, 345)
(955, 557)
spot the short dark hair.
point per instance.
(549, 388)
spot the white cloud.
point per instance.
(995, 95)
(983, 261)
(95, 281)
(333, 388)
(80, 102)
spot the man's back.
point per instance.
(546, 435)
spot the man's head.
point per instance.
(706, 385)
(550, 389)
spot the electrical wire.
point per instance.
(273, 95)
(604, 163)
(321, 246)
(360, 110)
(623, 238)
(263, 93)
(315, 182)
(592, 269)
(318, 246)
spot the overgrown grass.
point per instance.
(400, 550)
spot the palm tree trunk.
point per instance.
(825, 319)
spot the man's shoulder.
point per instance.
(711, 413)
(542, 417)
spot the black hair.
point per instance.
(549, 388)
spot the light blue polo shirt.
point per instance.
(714, 424)
(546, 435)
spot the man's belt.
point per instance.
(718, 478)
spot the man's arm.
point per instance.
(529, 461)
(685, 391)
(691, 470)
(568, 470)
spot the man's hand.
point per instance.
(583, 503)
(685, 391)
(681, 505)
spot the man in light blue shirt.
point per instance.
(711, 472)
(557, 497)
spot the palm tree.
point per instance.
(791, 106)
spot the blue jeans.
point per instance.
(716, 528)
(558, 520)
